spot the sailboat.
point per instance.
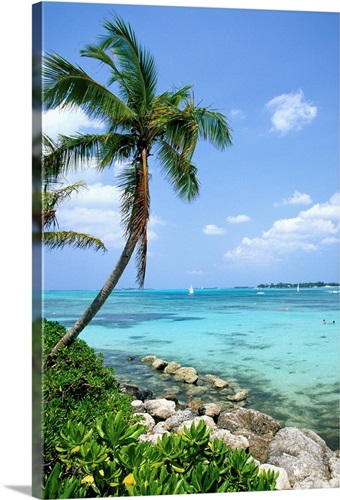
(191, 290)
(298, 288)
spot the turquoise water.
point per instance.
(272, 342)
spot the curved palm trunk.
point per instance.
(100, 299)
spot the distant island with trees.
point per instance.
(316, 284)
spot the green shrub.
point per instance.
(112, 462)
(76, 387)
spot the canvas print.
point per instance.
(185, 247)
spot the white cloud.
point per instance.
(101, 223)
(238, 219)
(291, 112)
(67, 122)
(195, 272)
(237, 113)
(96, 211)
(297, 199)
(309, 231)
(324, 210)
(96, 195)
(213, 230)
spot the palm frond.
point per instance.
(137, 70)
(66, 85)
(51, 198)
(213, 127)
(62, 239)
(179, 171)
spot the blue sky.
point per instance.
(269, 206)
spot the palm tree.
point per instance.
(137, 121)
(49, 199)
(53, 238)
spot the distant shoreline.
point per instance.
(317, 284)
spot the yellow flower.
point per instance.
(129, 479)
(87, 479)
(101, 472)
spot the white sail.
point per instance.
(298, 288)
(191, 290)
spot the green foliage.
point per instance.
(113, 462)
(76, 388)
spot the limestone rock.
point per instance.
(230, 439)
(159, 364)
(195, 405)
(186, 374)
(257, 427)
(304, 455)
(172, 367)
(194, 390)
(178, 418)
(171, 397)
(334, 467)
(209, 422)
(239, 396)
(242, 419)
(137, 406)
(147, 420)
(282, 482)
(311, 483)
(152, 437)
(160, 409)
(209, 409)
(148, 359)
(216, 381)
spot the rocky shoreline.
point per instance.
(301, 457)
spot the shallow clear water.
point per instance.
(272, 342)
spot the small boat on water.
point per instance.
(191, 290)
(298, 288)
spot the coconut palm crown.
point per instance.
(139, 122)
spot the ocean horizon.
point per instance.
(280, 345)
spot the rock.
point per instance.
(178, 418)
(172, 367)
(194, 390)
(148, 359)
(257, 427)
(209, 422)
(210, 409)
(159, 364)
(230, 439)
(216, 381)
(239, 396)
(131, 390)
(311, 483)
(152, 437)
(304, 455)
(186, 374)
(241, 419)
(282, 482)
(144, 394)
(195, 405)
(160, 409)
(147, 420)
(171, 397)
(334, 467)
(137, 406)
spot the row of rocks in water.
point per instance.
(189, 375)
(301, 457)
